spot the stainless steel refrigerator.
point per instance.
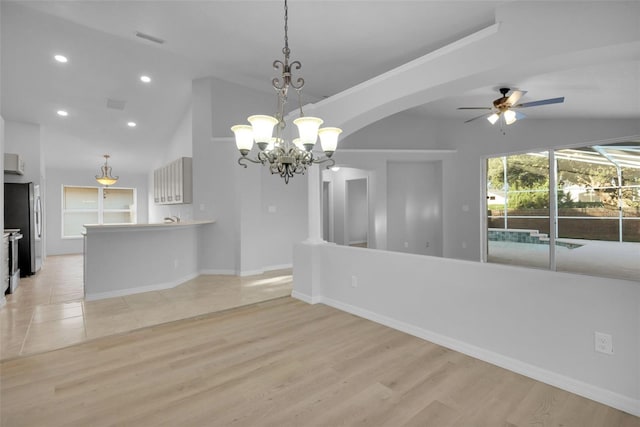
(22, 209)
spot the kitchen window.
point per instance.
(96, 205)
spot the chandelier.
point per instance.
(106, 179)
(282, 156)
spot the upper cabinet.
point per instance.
(173, 183)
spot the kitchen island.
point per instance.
(124, 259)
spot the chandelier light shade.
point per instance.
(283, 157)
(106, 178)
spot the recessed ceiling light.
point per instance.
(131, 124)
(145, 79)
(62, 113)
(61, 58)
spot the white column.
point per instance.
(315, 204)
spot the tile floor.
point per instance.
(48, 310)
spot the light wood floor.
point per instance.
(279, 363)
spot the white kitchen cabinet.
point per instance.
(173, 183)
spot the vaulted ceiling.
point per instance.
(340, 44)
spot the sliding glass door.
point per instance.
(593, 224)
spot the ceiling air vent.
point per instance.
(148, 37)
(116, 104)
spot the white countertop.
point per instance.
(145, 226)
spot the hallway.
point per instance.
(48, 310)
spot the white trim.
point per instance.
(140, 289)
(221, 272)
(615, 400)
(357, 242)
(306, 298)
(416, 63)
(264, 269)
(397, 150)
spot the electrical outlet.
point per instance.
(406, 244)
(603, 343)
(354, 281)
(427, 245)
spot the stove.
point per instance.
(14, 270)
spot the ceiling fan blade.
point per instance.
(476, 118)
(541, 102)
(515, 96)
(474, 108)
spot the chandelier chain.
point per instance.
(282, 156)
(285, 50)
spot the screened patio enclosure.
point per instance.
(567, 210)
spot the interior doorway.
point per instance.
(345, 207)
(357, 212)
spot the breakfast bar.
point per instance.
(124, 259)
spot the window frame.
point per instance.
(99, 210)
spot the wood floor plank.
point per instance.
(279, 363)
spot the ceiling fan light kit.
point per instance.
(506, 106)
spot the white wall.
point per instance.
(56, 178)
(414, 216)
(535, 322)
(283, 219)
(375, 163)
(357, 211)
(24, 139)
(246, 238)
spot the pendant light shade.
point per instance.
(106, 178)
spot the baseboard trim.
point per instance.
(220, 272)
(306, 298)
(609, 398)
(139, 289)
(264, 270)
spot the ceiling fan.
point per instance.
(505, 106)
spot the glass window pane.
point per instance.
(118, 198)
(80, 198)
(521, 236)
(496, 192)
(631, 195)
(597, 209)
(118, 218)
